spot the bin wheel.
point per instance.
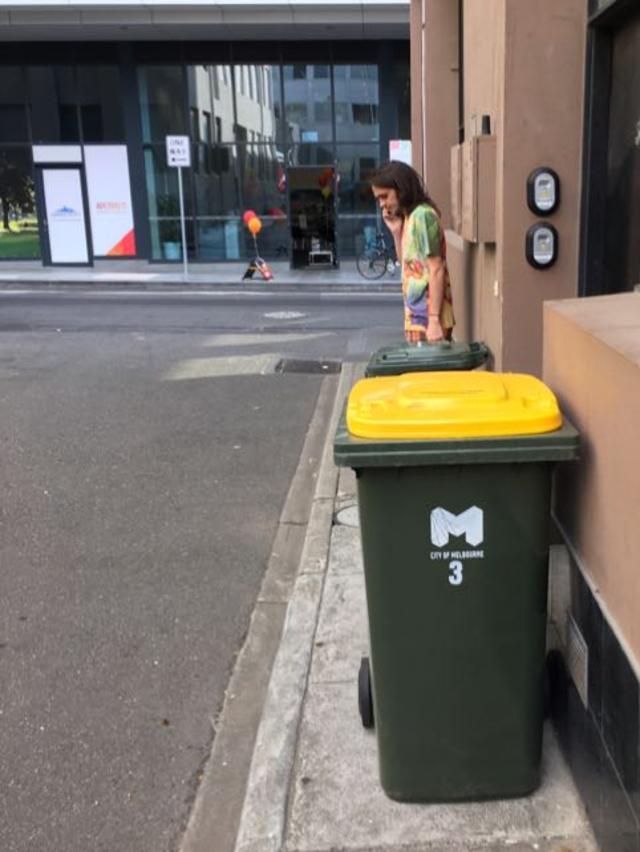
(365, 699)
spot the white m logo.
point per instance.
(470, 523)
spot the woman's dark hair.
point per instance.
(406, 182)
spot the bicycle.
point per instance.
(376, 259)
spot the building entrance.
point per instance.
(312, 212)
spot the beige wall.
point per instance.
(592, 362)
(524, 67)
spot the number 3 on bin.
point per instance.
(455, 576)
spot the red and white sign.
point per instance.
(109, 191)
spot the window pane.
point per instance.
(162, 100)
(206, 128)
(216, 181)
(273, 239)
(199, 86)
(264, 180)
(100, 99)
(259, 112)
(310, 155)
(222, 90)
(220, 239)
(164, 205)
(18, 223)
(53, 104)
(13, 110)
(307, 99)
(355, 165)
(356, 232)
(222, 234)
(357, 103)
(403, 89)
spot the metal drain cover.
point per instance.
(298, 365)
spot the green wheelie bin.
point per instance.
(454, 475)
(426, 357)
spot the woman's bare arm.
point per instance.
(436, 296)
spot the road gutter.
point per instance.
(286, 610)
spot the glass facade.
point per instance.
(19, 227)
(18, 222)
(78, 103)
(248, 124)
(42, 104)
(248, 121)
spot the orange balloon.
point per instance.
(254, 225)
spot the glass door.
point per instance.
(65, 220)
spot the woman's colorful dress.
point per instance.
(423, 237)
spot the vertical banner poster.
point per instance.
(109, 191)
(400, 149)
(65, 215)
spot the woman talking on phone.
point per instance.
(414, 222)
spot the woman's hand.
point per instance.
(434, 330)
(393, 223)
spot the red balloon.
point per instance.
(248, 214)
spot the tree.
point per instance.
(16, 187)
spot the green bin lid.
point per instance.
(425, 357)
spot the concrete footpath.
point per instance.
(142, 275)
(313, 784)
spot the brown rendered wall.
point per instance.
(592, 362)
(524, 67)
(542, 125)
(483, 29)
(417, 92)
(440, 87)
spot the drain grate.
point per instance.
(299, 365)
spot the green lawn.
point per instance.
(20, 245)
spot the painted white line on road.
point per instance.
(284, 315)
(266, 337)
(208, 368)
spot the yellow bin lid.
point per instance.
(456, 404)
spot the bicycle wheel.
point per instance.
(372, 264)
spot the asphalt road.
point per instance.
(146, 449)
